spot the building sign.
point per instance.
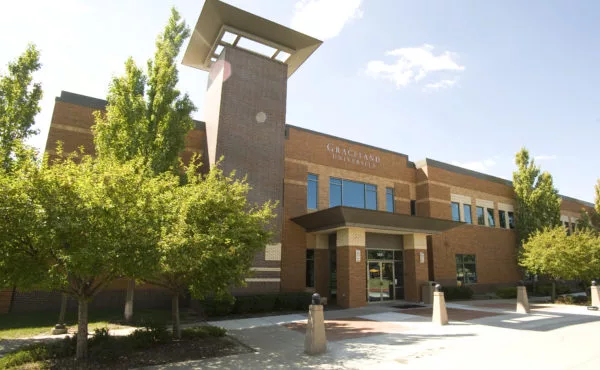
(356, 157)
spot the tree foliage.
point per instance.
(19, 103)
(76, 225)
(209, 237)
(146, 115)
(598, 197)
(538, 202)
(572, 257)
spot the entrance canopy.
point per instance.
(339, 217)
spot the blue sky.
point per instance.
(463, 82)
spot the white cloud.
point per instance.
(414, 64)
(480, 166)
(324, 19)
(545, 157)
(443, 84)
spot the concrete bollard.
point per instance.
(522, 300)
(315, 342)
(595, 293)
(440, 314)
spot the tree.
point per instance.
(538, 202)
(554, 253)
(19, 103)
(75, 227)
(210, 237)
(598, 197)
(146, 115)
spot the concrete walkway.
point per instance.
(489, 335)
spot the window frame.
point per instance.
(452, 205)
(468, 220)
(491, 222)
(389, 192)
(502, 218)
(462, 264)
(367, 189)
(510, 215)
(480, 218)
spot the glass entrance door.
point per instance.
(380, 284)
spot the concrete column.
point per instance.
(595, 293)
(440, 314)
(351, 268)
(416, 270)
(522, 301)
(315, 342)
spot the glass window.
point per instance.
(466, 271)
(413, 207)
(380, 254)
(389, 199)
(491, 219)
(455, 211)
(311, 196)
(467, 213)
(352, 194)
(371, 196)
(511, 220)
(335, 192)
(502, 215)
(310, 268)
(480, 216)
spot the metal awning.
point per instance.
(338, 217)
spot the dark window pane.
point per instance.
(502, 219)
(310, 268)
(455, 211)
(389, 199)
(312, 191)
(467, 213)
(511, 220)
(491, 219)
(466, 272)
(398, 255)
(480, 216)
(353, 194)
(413, 207)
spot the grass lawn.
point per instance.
(19, 325)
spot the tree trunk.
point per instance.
(553, 291)
(129, 300)
(82, 329)
(175, 313)
(63, 309)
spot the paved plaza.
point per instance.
(481, 334)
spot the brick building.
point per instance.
(356, 223)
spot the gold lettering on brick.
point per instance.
(355, 157)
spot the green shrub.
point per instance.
(510, 292)
(545, 289)
(213, 306)
(202, 332)
(578, 300)
(152, 333)
(33, 353)
(455, 293)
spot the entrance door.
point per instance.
(380, 284)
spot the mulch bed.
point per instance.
(176, 351)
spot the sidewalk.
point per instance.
(551, 337)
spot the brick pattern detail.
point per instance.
(351, 277)
(415, 274)
(273, 252)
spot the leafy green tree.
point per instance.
(598, 197)
(554, 253)
(538, 202)
(19, 103)
(77, 225)
(210, 237)
(146, 115)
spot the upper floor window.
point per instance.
(467, 213)
(502, 215)
(352, 194)
(490, 216)
(389, 199)
(312, 191)
(413, 207)
(480, 216)
(511, 220)
(455, 211)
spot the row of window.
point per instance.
(351, 194)
(482, 213)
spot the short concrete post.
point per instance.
(522, 300)
(595, 293)
(315, 342)
(440, 314)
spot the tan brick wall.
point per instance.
(322, 272)
(351, 277)
(415, 274)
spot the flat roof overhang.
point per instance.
(339, 217)
(217, 18)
